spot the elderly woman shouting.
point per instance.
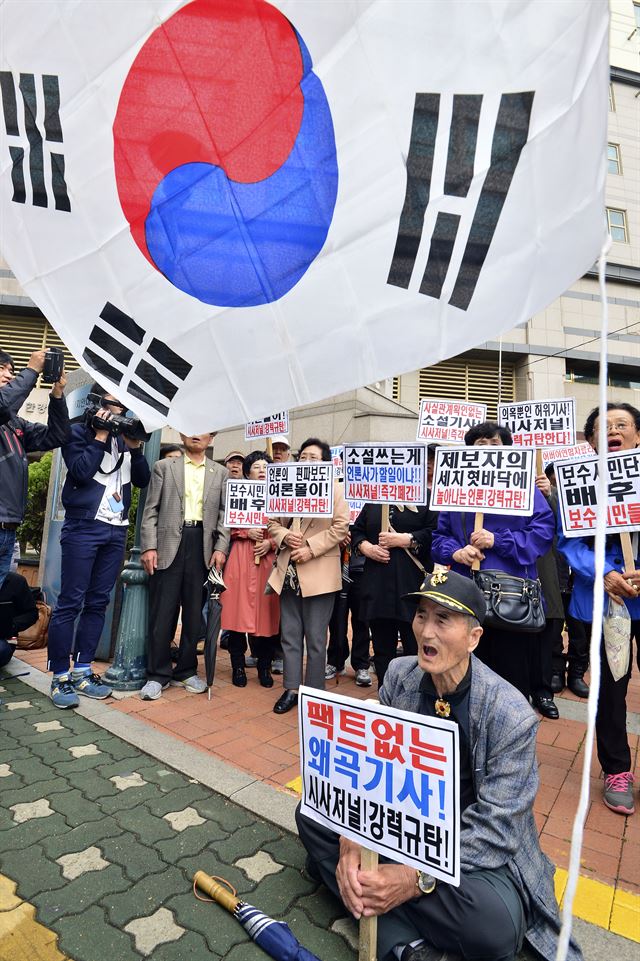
(307, 575)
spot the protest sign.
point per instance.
(489, 480)
(299, 490)
(540, 423)
(388, 779)
(337, 453)
(554, 454)
(578, 493)
(354, 510)
(244, 503)
(447, 421)
(267, 426)
(385, 473)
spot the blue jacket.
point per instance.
(82, 493)
(579, 554)
(519, 541)
(498, 828)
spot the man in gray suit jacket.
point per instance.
(506, 888)
(182, 536)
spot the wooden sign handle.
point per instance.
(295, 525)
(368, 934)
(627, 552)
(385, 519)
(539, 467)
(478, 524)
(269, 447)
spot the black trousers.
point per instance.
(261, 648)
(510, 654)
(482, 920)
(541, 652)
(338, 649)
(612, 741)
(384, 635)
(576, 660)
(179, 585)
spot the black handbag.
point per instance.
(513, 603)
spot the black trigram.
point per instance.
(136, 353)
(32, 129)
(509, 137)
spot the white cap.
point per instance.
(280, 439)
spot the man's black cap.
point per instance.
(455, 592)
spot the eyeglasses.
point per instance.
(620, 425)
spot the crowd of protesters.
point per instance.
(302, 602)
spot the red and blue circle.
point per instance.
(225, 154)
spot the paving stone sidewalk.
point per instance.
(104, 842)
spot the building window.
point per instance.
(468, 378)
(613, 157)
(20, 335)
(617, 220)
(612, 102)
(636, 13)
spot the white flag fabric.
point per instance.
(229, 207)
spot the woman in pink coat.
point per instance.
(246, 609)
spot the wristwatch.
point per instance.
(426, 883)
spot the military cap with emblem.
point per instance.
(453, 591)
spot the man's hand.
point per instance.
(388, 539)
(467, 555)
(149, 560)
(58, 388)
(618, 586)
(347, 872)
(36, 361)
(386, 888)
(102, 435)
(482, 539)
(301, 555)
(293, 539)
(218, 559)
(543, 484)
(375, 553)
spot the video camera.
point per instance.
(117, 424)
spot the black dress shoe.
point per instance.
(239, 677)
(426, 952)
(264, 676)
(285, 702)
(577, 686)
(557, 683)
(546, 706)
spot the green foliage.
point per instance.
(133, 511)
(32, 528)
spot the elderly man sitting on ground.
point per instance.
(506, 888)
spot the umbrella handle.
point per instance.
(223, 892)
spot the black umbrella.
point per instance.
(215, 586)
(274, 937)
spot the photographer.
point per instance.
(102, 463)
(18, 437)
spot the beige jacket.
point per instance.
(322, 574)
(164, 511)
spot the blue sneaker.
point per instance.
(90, 685)
(63, 692)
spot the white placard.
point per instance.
(387, 779)
(577, 483)
(540, 423)
(554, 454)
(300, 490)
(447, 421)
(267, 426)
(491, 480)
(244, 503)
(385, 473)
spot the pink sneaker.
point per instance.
(618, 792)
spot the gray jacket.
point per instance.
(164, 510)
(499, 828)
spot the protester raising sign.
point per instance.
(244, 503)
(385, 473)
(298, 490)
(578, 493)
(337, 454)
(541, 423)
(267, 426)
(490, 480)
(387, 779)
(554, 454)
(448, 421)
